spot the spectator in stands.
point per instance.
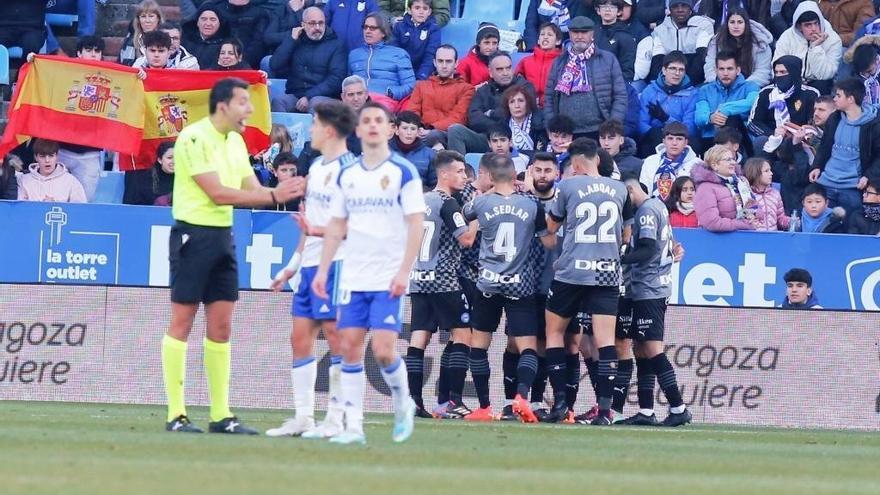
(90, 48)
(500, 142)
(674, 158)
(485, 109)
(441, 100)
(540, 12)
(315, 61)
(47, 179)
(179, 57)
(406, 142)
(785, 101)
(585, 83)
(282, 23)
(8, 180)
(847, 16)
(750, 44)
(248, 23)
(22, 24)
(157, 49)
(812, 40)
(817, 216)
(279, 142)
(799, 290)
(731, 138)
(850, 149)
(474, 67)
(560, 134)
(866, 66)
(397, 8)
(680, 203)
(163, 174)
(203, 36)
(682, 31)
(724, 201)
(347, 18)
(725, 101)
(419, 34)
(536, 67)
(633, 26)
(721, 10)
(866, 219)
(231, 56)
(354, 94)
(767, 199)
(386, 68)
(147, 17)
(651, 13)
(613, 36)
(620, 147)
(520, 111)
(670, 98)
(284, 167)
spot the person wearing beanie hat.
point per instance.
(474, 68)
(686, 32)
(812, 39)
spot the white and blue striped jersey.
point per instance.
(375, 203)
(321, 184)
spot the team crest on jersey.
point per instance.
(664, 185)
(384, 182)
(797, 105)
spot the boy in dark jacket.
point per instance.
(406, 142)
(613, 36)
(418, 34)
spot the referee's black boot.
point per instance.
(677, 419)
(232, 426)
(182, 424)
(557, 413)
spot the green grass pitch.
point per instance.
(64, 448)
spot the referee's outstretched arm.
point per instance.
(252, 194)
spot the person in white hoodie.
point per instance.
(812, 39)
(682, 31)
(48, 180)
(674, 159)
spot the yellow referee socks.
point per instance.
(174, 371)
(218, 361)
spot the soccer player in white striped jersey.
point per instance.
(379, 205)
(332, 123)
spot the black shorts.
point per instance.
(521, 321)
(648, 320)
(470, 290)
(203, 264)
(624, 319)
(441, 310)
(567, 300)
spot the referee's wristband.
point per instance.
(272, 193)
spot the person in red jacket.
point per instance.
(680, 203)
(536, 67)
(474, 67)
(442, 99)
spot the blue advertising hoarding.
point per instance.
(128, 245)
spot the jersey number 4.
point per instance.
(505, 241)
(591, 214)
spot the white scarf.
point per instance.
(520, 134)
(777, 103)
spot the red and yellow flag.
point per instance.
(89, 103)
(176, 98)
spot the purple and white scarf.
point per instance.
(574, 75)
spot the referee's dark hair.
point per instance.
(499, 166)
(337, 115)
(223, 91)
(446, 158)
(586, 147)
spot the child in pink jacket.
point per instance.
(48, 180)
(767, 199)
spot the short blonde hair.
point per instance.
(714, 154)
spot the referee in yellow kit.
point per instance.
(212, 173)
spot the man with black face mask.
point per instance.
(866, 220)
(783, 106)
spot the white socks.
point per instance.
(303, 375)
(352, 382)
(396, 378)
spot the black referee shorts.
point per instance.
(439, 310)
(203, 264)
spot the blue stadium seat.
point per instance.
(498, 12)
(15, 52)
(276, 88)
(523, 11)
(4, 65)
(62, 13)
(473, 159)
(61, 19)
(111, 188)
(297, 124)
(461, 34)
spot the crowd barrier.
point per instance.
(128, 245)
(734, 365)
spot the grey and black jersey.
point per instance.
(436, 267)
(652, 279)
(549, 255)
(593, 210)
(469, 268)
(508, 224)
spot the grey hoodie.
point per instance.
(761, 56)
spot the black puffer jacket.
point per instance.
(248, 23)
(488, 99)
(313, 68)
(207, 51)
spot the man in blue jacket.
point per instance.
(315, 61)
(346, 18)
(670, 98)
(726, 101)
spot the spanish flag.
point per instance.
(174, 98)
(97, 104)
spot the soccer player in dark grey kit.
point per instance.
(508, 221)
(435, 292)
(593, 209)
(651, 255)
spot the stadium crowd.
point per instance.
(789, 88)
